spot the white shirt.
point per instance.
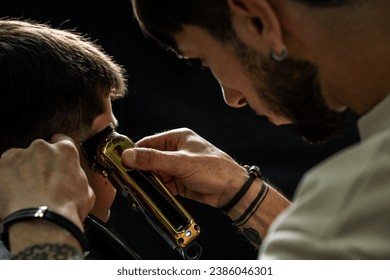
(342, 206)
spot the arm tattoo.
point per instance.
(49, 252)
(252, 235)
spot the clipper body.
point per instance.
(144, 192)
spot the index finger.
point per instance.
(165, 141)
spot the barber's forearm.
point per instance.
(268, 204)
(39, 239)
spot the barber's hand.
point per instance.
(189, 166)
(45, 174)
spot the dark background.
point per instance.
(167, 93)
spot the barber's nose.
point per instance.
(233, 97)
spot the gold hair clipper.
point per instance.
(144, 191)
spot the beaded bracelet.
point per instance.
(42, 213)
(254, 172)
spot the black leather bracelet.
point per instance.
(255, 204)
(254, 172)
(43, 213)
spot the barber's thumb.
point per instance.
(140, 158)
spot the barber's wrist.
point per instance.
(233, 187)
(31, 232)
(242, 205)
(253, 172)
(32, 225)
(67, 210)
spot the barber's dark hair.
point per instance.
(160, 19)
(51, 81)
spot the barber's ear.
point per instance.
(257, 24)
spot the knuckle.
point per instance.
(186, 131)
(67, 147)
(39, 144)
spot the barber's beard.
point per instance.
(290, 89)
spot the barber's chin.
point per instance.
(273, 118)
(278, 120)
(340, 108)
(334, 105)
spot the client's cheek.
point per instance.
(105, 195)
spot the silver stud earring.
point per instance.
(279, 57)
